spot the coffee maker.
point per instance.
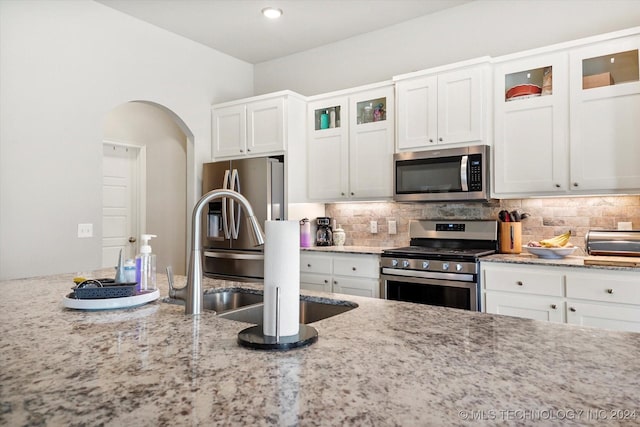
(324, 235)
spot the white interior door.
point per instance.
(120, 202)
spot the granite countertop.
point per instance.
(569, 261)
(383, 363)
(372, 250)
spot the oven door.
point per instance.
(444, 293)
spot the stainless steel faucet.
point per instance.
(191, 293)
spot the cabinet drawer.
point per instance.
(525, 280)
(357, 266)
(315, 263)
(605, 287)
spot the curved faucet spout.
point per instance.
(191, 293)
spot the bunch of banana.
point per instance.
(557, 241)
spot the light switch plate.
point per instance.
(373, 225)
(85, 230)
(392, 227)
(625, 226)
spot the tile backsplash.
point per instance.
(548, 217)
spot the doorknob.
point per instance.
(132, 239)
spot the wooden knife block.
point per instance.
(510, 237)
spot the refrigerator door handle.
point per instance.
(225, 219)
(235, 214)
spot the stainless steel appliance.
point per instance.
(324, 235)
(229, 252)
(613, 242)
(447, 174)
(441, 265)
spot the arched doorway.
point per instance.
(149, 142)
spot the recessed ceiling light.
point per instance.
(272, 12)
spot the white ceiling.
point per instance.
(237, 27)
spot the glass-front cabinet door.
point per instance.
(531, 113)
(327, 149)
(371, 144)
(605, 116)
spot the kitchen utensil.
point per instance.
(516, 216)
(510, 237)
(503, 216)
(613, 261)
(523, 90)
(550, 253)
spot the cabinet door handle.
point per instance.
(519, 283)
(440, 139)
(553, 306)
(241, 150)
(557, 185)
(342, 194)
(326, 281)
(354, 269)
(335, 282)
(575, 184)
(609, 291)
(430, 139)
(248, 150)
(309, 265)
(572, 309)
(352, 193)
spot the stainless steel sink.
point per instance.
(246, 305)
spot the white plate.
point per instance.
(110, 303)
(550, 253)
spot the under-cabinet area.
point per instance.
(351, 274)
(603, 298)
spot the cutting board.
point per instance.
(614, 261)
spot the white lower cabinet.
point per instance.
(608, 299)
(352, 274)
(527, 306)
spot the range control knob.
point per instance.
(445, 265)
(425, 264)
(458, 267)
(394, 263)
(405, 263)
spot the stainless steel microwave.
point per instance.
(441, 175)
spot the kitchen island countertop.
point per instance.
(383, 363)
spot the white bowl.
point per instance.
(550, 253)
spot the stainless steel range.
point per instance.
(441, 265)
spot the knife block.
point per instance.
(510, 237)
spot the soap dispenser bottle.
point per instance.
(146, 266)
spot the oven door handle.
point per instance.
(424, 275)
(464, 166)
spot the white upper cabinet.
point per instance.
(255, 126)
(531, 146)
(605, 116)
(567, 119)
(350, 145)
(448, 107)
(229, 131)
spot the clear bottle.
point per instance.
(146, 266)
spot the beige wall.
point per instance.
(145, 125)
(478, 28)
(549, 217)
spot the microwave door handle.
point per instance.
(464, 165)
(225, 219)
(235, 207)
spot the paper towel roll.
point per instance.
(282, 270)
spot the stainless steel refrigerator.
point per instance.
(228, 250)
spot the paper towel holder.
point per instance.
(254, 337)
